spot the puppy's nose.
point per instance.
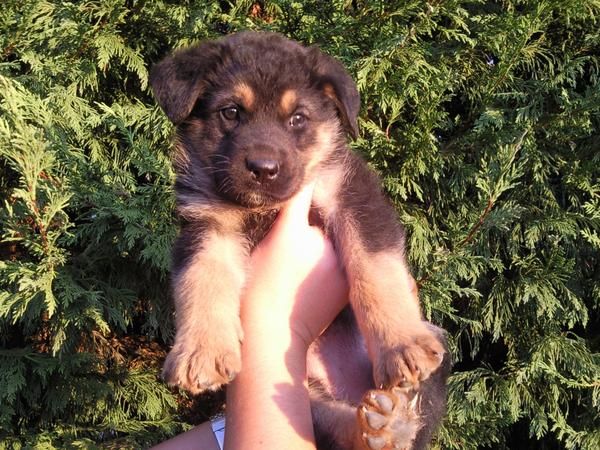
(263, 170)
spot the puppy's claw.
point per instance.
(404, 383)
(401, 390)
(207, 386)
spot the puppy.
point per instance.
(258, 117)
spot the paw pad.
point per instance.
(388, 419)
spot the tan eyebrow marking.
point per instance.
(246, 95)
(288, 101)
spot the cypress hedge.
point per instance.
(482, 117)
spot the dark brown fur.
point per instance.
(258, 117)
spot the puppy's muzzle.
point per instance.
(262, 170)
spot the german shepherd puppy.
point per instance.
(258, 117)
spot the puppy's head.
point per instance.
(256, 113)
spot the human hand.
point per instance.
(295, 280)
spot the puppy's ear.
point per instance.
(178, 80)
(336, 83)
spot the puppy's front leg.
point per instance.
(208, 275)
(371, 242)
(404, 351)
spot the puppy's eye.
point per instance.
(297, 121)
(230, 113)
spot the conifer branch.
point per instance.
(482, 217)
(492, 200)
(478, 224)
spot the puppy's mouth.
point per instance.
(257, 200)
(249, 193)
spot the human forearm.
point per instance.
(270, 390)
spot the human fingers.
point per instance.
(294, 215)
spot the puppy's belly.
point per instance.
(339, 361)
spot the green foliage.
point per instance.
(482, 117)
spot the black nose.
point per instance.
(263, 170)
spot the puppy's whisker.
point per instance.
(223, 157)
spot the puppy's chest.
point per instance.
(256, 225)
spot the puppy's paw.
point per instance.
(410, 360)
(388, 419)
(203, 365)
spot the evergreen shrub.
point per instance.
(482, 117)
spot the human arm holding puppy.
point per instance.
(296, 288)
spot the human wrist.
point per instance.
(273, 385)
(276, 333)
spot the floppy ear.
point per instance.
(336, 83)
(179, 79)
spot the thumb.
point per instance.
(295, 213)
